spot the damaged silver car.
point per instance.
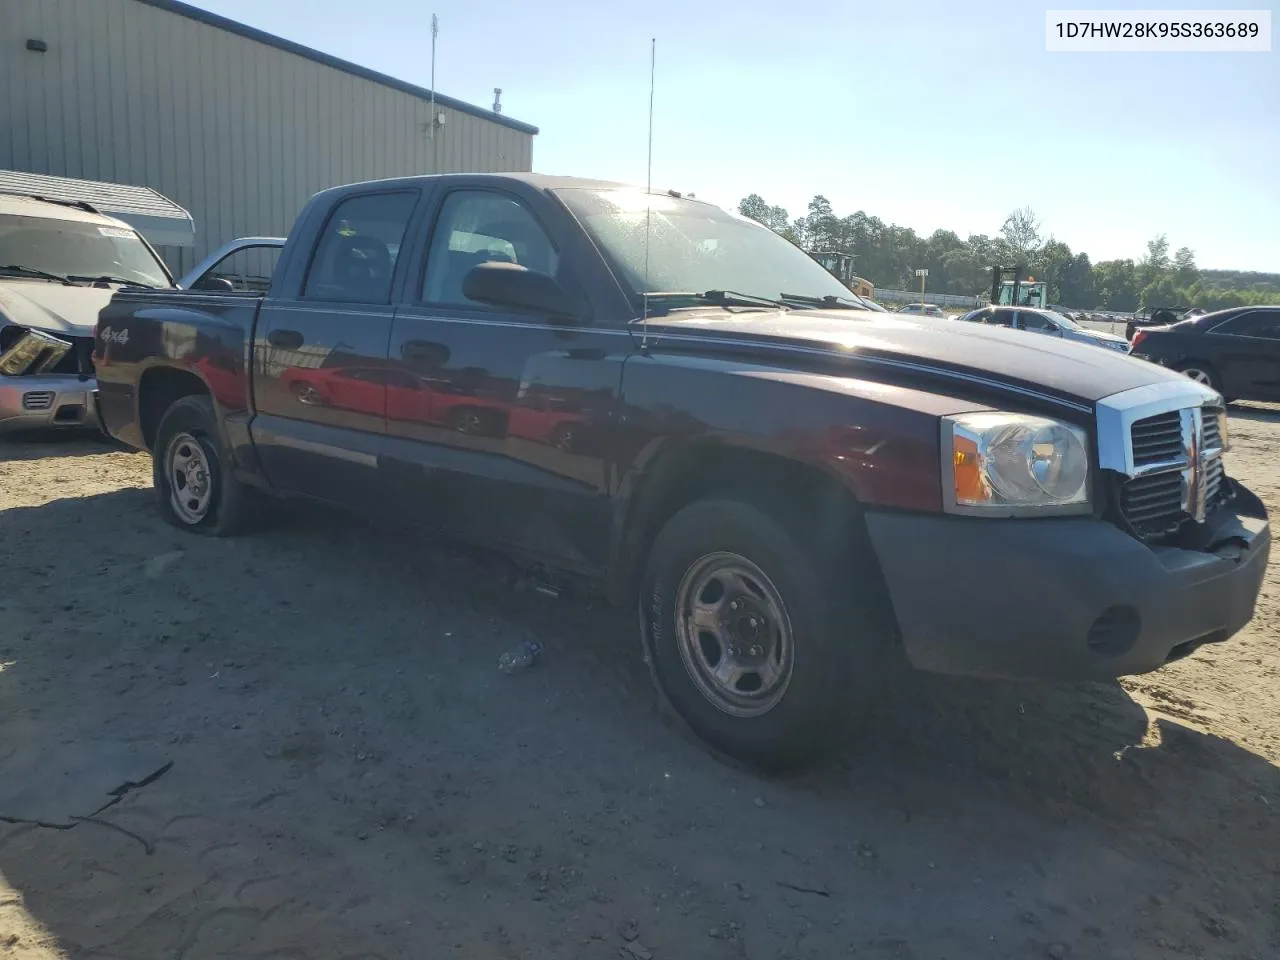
(59, 265)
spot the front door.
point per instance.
(1247, 349)
(505, 439)
(320, 394)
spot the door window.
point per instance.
(1036, 322)
(248, 270)
(479, 226)
(355, 257)
(1260, 324)
(999, 318)
(1268, 324)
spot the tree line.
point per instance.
(889, 255)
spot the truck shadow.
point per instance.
(1255, 412)
(346, 758)
(50, 444)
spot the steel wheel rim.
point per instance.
(1199, 376)
(190, 478)
(734, 635)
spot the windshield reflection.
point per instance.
(658, 242)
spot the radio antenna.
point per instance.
(435, 30)
(648, 190)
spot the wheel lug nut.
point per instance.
(755, 651)
(733, 605)
(754, 622)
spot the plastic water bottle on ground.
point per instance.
(521, 658)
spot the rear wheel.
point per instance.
(195, 489)
(760, 643)
(1201, 373)
(468, 420)
(563, 439)
(306, 393)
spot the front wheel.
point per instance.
(191, 472)
(760, 643)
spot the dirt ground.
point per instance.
(353, 778)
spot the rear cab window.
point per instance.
(355, 257)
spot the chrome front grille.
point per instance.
(1152, 500)
(1157, 439)
(1177, 469)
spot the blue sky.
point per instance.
(928, 114)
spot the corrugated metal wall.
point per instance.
(238, 132)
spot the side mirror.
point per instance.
(511, 285)
(214, 284)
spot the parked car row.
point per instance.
(1046, 322)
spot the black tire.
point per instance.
(232, 507)
(839, 640)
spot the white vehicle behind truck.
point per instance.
(61, 260)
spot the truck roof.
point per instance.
(541, 181)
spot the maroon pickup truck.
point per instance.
(672, 401)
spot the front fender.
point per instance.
(880, 441)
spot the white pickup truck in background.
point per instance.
(59, 265)
(62, 258)
(66, 246)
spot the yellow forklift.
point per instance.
(1019, 291)
(840, 266)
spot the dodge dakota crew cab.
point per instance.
(673, 401)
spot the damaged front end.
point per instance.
(46, 380)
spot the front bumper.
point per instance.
(47, 401)
(1065, 599)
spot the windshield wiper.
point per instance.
(20, 270)
(108, 278)
(838, 303)
(721, 298)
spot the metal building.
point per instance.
(238, 126)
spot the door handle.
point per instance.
(424, 353)
(285, 339)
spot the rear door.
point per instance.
(506, 437)
(1246, 351)
(321, 405)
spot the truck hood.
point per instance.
(52, 307)
(946, 349)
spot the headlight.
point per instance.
(1011, 464)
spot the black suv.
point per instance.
(1236, 351)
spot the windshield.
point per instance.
(694, 247)
(84, 251)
